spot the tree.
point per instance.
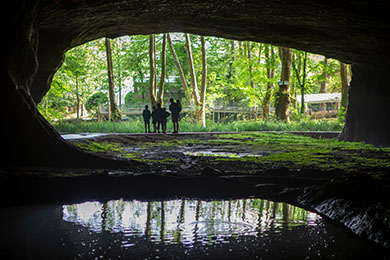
(323, 83)
(248, 46)
(99, 98)
(270, 66)
(325, 75)
(202, 109)
(344, 86)
(115, 114)
(199, 99)
(301, 82)
(178, 66)
(152, 70)
(283, 95)
(190, 60)
(163, 70)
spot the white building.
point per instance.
(321, 101)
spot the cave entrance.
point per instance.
(242, 87)
(41, 31)
(238, 144)
(241, 84)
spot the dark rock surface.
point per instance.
(363, 207)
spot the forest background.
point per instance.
(203, 72)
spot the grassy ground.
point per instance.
(246, 153)
(189, 126)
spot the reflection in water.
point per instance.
(188, 221)
(174, 229)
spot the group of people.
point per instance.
(159, 117)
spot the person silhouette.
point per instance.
(164, 120)
(175, 109)
(146, 115)
(154, 119)
(161, 117)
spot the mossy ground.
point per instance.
(246, 153)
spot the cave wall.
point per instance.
(40, 32)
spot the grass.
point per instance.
(299, 151)
(189, 126)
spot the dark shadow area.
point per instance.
(177, 228)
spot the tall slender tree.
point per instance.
(270, 66)
(194, 83)
(301, 82)
(178, 66)
(115, 114)
(249, 47)
(160, 98)
(202, 109)
(325, 79)
(283, 94)
(152, 70)
(325, 75)
(199, 98)
(344, 85)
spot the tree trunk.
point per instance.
(344, 85)
(115, 114)
(178, 66)
(77, 99)
(152, 70)
(270, 61)
(325, 75)
(303, 85)
(323, 84)
(368, 100)
(202, 109)
(194, 84)
(163, 70)
(283, 96)
(252, 83)
(259, 54)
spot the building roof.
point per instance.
(320, 98)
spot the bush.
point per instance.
(99, 98)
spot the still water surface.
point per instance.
(176, 229)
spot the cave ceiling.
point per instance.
(352, 31)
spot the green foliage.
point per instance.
(341, 114)
(137, 126)
(237, 73)
(99, 98)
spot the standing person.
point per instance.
(160, 115)
(154, 119)
(175, 110)
(146, 115)
(164, 122)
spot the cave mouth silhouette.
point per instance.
(41, 32)
(38, 33)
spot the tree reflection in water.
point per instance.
(188, 221)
